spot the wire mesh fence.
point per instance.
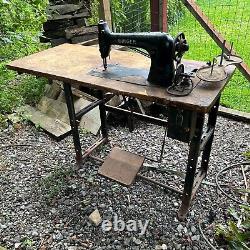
(230, 17)
(130, 16)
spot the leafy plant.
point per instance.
(236, 234)
(247, 154)
(20, 26)
(55, 183)
(18, 16)
(27, 243)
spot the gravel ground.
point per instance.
(44, 204)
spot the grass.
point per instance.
(231, 18)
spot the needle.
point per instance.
(105, 63)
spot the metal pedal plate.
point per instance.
(121, 166)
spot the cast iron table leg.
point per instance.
(194, 151)
(73, 122)
(212, 117)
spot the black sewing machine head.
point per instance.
(161, 47)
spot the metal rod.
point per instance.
(230, 51)
(139, 116)
(159, 183)
(93, 147)
(163, 144)
(197, 12)
(130, 117)
(96, 158)
(212, 68)
(92, 106)
(222, 52)
(103, 116)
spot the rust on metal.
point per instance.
(72, 63)
(93, 147)
(121, 166)
(159, 184)
(212, 74)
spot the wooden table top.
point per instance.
(72, 63)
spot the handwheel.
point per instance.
(180, 47)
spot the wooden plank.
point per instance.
(105, 12)
(73, 64)
(234, 114)
(214, 34)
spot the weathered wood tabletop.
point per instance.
(73, 64)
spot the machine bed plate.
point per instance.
(121, 73)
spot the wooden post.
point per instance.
(154, 9)
(163, 25)
(105, 12)
(158, 15)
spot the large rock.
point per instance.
(57, 25)
(56, 16)
(63, 9)
(80, 31)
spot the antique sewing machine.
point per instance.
(163, 50)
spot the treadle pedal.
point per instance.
(121, 166)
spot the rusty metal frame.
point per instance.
(199, 142)
(73, 117)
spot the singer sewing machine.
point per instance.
(163, 50)
(72, 64)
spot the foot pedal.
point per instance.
(121, 166)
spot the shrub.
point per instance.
(20, 26)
